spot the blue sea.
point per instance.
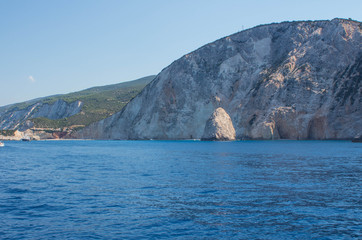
(181, 190)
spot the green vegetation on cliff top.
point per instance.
(98, 103)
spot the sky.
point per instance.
(55, 47)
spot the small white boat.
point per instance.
(2, 144)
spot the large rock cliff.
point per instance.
(293, 80)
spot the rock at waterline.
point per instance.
(357, 139)
(219, 127)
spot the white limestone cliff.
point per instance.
(292, 80)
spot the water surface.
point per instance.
(180, 190)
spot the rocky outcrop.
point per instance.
(219, 127)
(293, 80)
(21, 118)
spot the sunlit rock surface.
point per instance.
(219, 127)
(292, 80)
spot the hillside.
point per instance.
(290, 80)
(74, 109)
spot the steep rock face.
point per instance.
(293, 80)
(20, 119)
(60, 109)
(219, 127)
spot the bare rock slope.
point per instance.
(292, 80)
(19, 118)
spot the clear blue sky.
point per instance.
(50, 47)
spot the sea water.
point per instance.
(181, 190)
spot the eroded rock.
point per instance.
(219, 127)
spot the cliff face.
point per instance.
(294, 80)
(21, 119)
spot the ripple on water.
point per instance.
(181, 190)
